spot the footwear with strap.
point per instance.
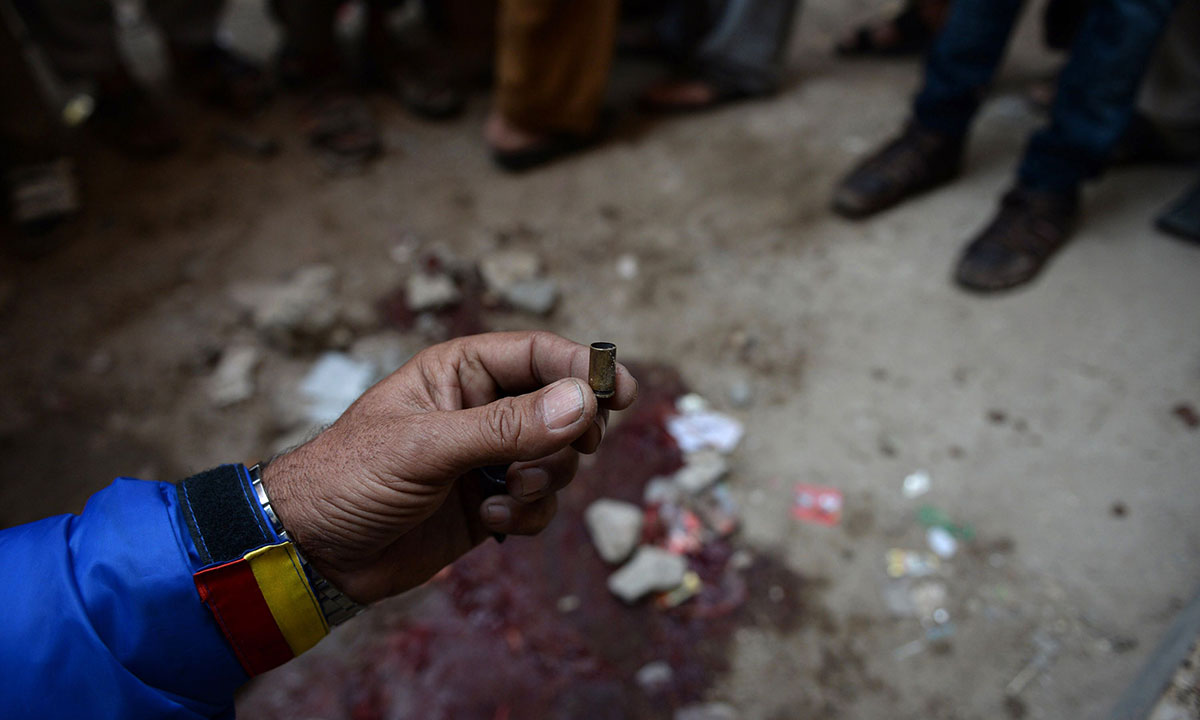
(1030, 226)
(915, 162)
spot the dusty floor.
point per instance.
(1044, 418)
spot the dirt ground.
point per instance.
(1044, 418)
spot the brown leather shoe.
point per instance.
(1029, 228)
(917, 161)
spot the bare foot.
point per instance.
(505, 136)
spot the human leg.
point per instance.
(928, 153)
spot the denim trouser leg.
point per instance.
(745, 48)
(1097, 91)
(962, 62)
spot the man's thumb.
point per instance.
(525, 427)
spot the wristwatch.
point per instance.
(335, 605)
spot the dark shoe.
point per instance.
(917, 161)
(1029, 228)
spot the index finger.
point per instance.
(518, 362)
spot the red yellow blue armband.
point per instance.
(252, 580)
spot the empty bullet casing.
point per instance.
(602, 369)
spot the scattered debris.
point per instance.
(1187, 414)
(691, 403)
(701, 469)
(697, 430)
(580, 658)
(688, 589)
(1045, 650)
(679, 529)
(909, 563)
(536, 297)
(818, 504)
(654, 677)
(334, 382)
(741, 393)
(503, 270)
(515, 277)
(707, 711)
(928, 597)
(405, 249)
(304, 305)
(916, 484)
(615, 527)
(627, 266)
(941, 542)
(652, 569)
(431, 291)
(232, 381)
(718, 510)
(908, 649)
(930, 516)
(935, 636)
(660, 490)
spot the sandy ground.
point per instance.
(1044, 417)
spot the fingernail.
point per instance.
(496, 514)
(563, 404)
(530, 481)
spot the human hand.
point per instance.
(390, 494)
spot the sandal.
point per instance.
(554, 147)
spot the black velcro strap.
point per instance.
(222, 513)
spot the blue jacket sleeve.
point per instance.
(101, 618)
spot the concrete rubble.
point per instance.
(701, 470)
(615, 528)
(303, 305)
(536, 297)
(232, 381)
(652, 569)
(504, 269)
(334, 382)
(681, 514)
(654, 676)
(431, 291)
(516, 278)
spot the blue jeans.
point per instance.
(1097, 89)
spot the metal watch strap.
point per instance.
(335, 605)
